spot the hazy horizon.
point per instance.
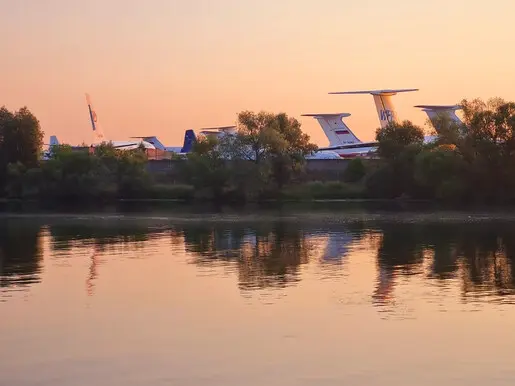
(161, 67)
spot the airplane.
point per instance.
(218, 132)
(387, 114)
(342, 140)
(323, 154)
(222, 131)
(189, 139)
(434, 112)
(99, 137)
(437, 112)
(383, 101)
(47, 154)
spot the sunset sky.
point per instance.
(159, 67)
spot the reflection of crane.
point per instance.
(90, 285)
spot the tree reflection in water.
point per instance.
(20, 253)
(271, 255)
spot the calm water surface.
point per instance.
(281, 300)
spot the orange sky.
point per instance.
(163, 66)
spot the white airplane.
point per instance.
(435, 112)
(189, 139)
(346, 143)
(387, 113)
(383, 101)
(222, 131)
(99, 137)
(324, 154)
(231, 130)
(218, 132)
(342, 140)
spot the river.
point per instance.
(324, 297)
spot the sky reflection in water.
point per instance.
(280, 302)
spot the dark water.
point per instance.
(260, 298)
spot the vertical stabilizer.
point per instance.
(436, 113)
(337, 132)
(383, 101)
(97, 131)
(154, 141)
(54, 141)
(189, 141)
(48, 153)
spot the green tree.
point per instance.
(399, 144)
(20, 137)
(488, 147)
(441, 172)
(288, 154)
(205, 169)
(105, 173)
(264, 154)
(275, 142)
(355, 171)
(257, 136)
(20, 140)
(396, 137)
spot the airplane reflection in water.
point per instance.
(479, 258)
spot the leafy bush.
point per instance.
(317, 190)
(355, 171)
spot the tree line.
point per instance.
(470, 162)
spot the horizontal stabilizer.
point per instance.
(343, 115)
(436, 113)
(382, 99)
(376, 92)
(439, 107)
(222, 128)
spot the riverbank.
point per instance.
(308, 191)
(322, 212)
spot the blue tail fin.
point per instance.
(189, 140)
(54, 141)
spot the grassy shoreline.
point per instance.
(320, 218)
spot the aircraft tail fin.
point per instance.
(383, 101)
(47, 154)
(336, 131)
(189, 140)
(436, 113)
(54, 141)
(154, 141)
(97, 130)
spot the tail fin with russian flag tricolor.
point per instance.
(383, 101)
(337, 132)
(97, 130)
